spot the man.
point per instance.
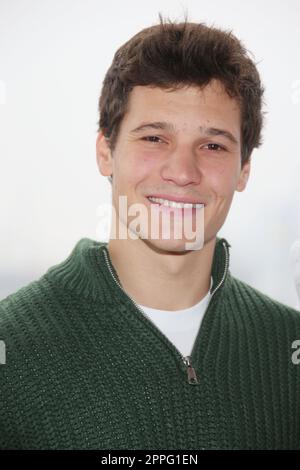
(148, 342)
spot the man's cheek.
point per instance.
(141, 172)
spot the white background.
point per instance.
(53, 58)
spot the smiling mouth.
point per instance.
(174, 204)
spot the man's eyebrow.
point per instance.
(163, 125)
(154, 125)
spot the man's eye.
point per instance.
(152, 139)
(215, 147)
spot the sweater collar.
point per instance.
(87, 273)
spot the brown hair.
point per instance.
(171, 55)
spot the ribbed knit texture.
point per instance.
(86, 370)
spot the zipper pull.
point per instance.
(192, 377)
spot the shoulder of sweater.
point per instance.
(41, 294)
(37, 288)
(26, 299)
(261, 301)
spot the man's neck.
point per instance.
(162, 280)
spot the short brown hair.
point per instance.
(171, 55)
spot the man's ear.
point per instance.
(104, 156)
(244, 176)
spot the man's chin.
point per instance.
(172, 245)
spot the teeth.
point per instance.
(179, 205)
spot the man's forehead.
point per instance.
(146, 99)
(215, 87)
(148, 110)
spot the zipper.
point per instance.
(187, 360)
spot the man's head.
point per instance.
(170, 55)
(199, 80)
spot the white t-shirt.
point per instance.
(180, 326)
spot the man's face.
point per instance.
(195, 156)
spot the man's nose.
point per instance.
(182, 168)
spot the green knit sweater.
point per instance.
(86, 369)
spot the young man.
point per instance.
(148, 342)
